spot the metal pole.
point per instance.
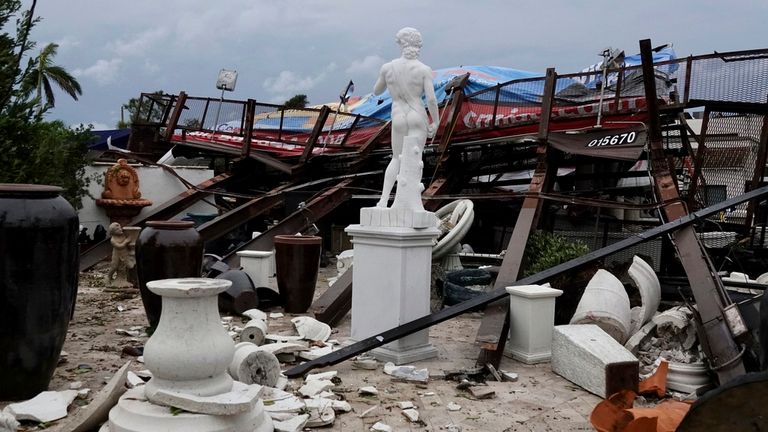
(218, 111)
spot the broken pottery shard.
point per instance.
(282, 338)
(606, 304)
(411, 414)
(453, 406)
(365, 362)
(278, 401)
(312, 388)
(45, 407)
(647, 283)
(255, 314)
(322, 375)
(482, 392)
(254, 332)
(241, 399)
(293, 424)
(588, 357)
(640, 337)
(315, 353)
(509, 376)
(96, 412)
(405, 405)
(321, 416)
(368, 390)
(283, 347)
(251, 365)
(311, 329)
(368, 411)
(8, 423)
(320, 403)
(133, 380)
(407, 373)
(381, 427)
(276, 315)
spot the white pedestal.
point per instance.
(258, 265)
(391, 281)
(531, 323)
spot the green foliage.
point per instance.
(149, 109)
(545, 250)
(33, 150)
(296, 102)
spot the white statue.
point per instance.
(407, 80)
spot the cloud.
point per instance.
(103, 71)
(367, 66)
(291, 82)
(139, 44)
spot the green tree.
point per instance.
(297, 102)
(146, 109)
(43, 73)
(33, 150)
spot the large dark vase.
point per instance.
(39, 260)
(165, 250)
(297, 260)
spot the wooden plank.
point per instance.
(336, 301)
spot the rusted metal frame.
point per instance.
(280, 128)
(492, 334)
(250, 112)
(98, 252)
(232, 219)
(688, 64)
(733, 107)
(175, 116)
(757, 176)
(456, 102)
(427, 321)
(700, 152)
(336, 301)
(495, 106)
(315, 209)
(205, 113)
(708, 291)
(617, 95)
(349, 131)
(364, 151)
(316, 131)
(258, 156)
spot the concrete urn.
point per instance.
(189, 305)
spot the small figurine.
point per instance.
(123, 258)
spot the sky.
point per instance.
(119, 49)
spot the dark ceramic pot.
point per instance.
(297, 260)
(39, 261)
(165, 250)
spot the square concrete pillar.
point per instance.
(391, 283)
(258, 265)
(531, 322)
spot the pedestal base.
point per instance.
(391, 281)
(526, 357)
(133, 413)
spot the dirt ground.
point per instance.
(538, 401)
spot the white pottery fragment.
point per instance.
(8, 423)
(322, 375)
(311, 329)
(453, 406)
(255, 331)
(43, 408)
(381, 427)
(294, 424)
(255, 314)
(368, 390)
(321, 417)
(411, 414)
(647, 283)
(312, 388)
(606, 304)
(405, 404)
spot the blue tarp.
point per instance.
(116, 137)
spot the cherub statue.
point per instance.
(407, 80)
(123, 258)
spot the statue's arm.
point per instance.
(381, 83)
(434, 113)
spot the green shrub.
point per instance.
(545, 250)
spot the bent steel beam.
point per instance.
(500, 293)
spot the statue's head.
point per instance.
(115, 229)
(410, 42)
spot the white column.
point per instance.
(531, 322)
(391, 280)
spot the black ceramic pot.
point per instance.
(165, 250)
(297, 260)
(39, 260)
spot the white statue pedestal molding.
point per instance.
(531, 323)
(188, 356)
(391, 280)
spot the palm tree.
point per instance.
(43, 72)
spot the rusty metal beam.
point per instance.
(316, 208)
(492, 334)
(250, 111)
(365, 150)
(167, 210)
(316, 131)
(714, 333)
(427, 321)
(173, 120)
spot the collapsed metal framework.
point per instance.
(484, 133)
